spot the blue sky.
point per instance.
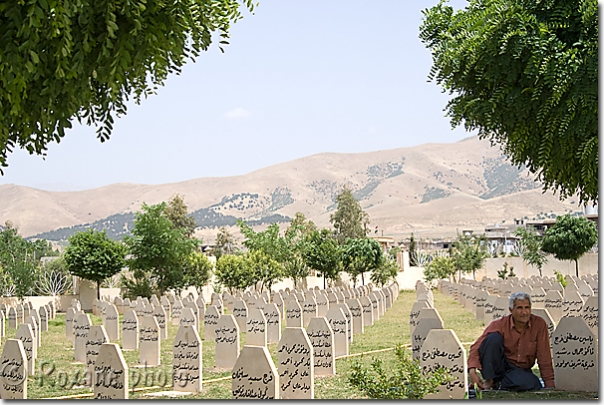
(298, 78)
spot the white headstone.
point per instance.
(322, 339)
(295, 361)
(13, 374)
(110, 373)
(339, 326)
(273, 323)
(210, 322)
(227, 342)
(254, 375)
(186, 366)
(442, 348)
(130, 334)
(256, 330)
(575, 356)
(80, 331)
(26, 335)
(149, 342)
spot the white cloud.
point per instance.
(237, 113)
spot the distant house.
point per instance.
(500, 238)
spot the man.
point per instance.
(507, 349)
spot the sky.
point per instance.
(297, 79)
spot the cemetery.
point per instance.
(244, 346)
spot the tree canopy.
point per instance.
(525, 75)
(67, 60)
(531, 244)
(349, 220)
(570, 238)
(159, 248)
(361, 255)
(323, 255)
(93, 256)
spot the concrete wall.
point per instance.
(588, 264)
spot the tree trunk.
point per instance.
(363, 278)
(577, 267)
(324, 281)
(98, 290)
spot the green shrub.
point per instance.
(406, 381)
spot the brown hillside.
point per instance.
(432, 188)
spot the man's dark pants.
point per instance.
(505, 375)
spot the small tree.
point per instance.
(263, 268)
(177, 212)
(159, 249)
(385, 272)
(570, 238)
(412, 252)
(93, 256)
(531, 250)
(323, 255)
(225, 242)
(232, 272)
(197, 271)
(349, 220)
(441, 267)
(360, 255)
(469, 254)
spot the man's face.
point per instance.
(521, 312)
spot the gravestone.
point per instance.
(112, 323)
(187, 317)
(575, 356)
(227, 342)
(442, 348)
(130, 334)
(240, 313)
(553, 303)
(43, 319)
(80, 332)
(322, 304)
(538, 298)
(348, 316)
(322, 340)
(572, 303)
(149, 342)
(210, 321)
(26, 335)
(339, 326)
(254, 375)
(13, 374)
(70, 317)
(500, 308)
(273, 323)
(256, 328)
(309, 309)
(544, 313)
(12, 318)
(480, 299)
(414, 314)
(354, 305)
(176, 311)
(187, 355)
(217, 302)
(160, 315)
(367, 310)
(295, 361)
(193, 307)
(97, 336)
(36, 317)
(278, 301)
(165, 303)
(110, 373)
(424, 326)
(590, 315)
(332, 299)
(293, 315)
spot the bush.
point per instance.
(405, 381)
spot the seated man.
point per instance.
(507, 349)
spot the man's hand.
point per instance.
(475, 378)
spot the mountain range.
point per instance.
(433, 190)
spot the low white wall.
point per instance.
(588, 264)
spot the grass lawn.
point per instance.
(58, 375)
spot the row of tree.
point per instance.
(569, 239)
(162, 253)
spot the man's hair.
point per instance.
(519, 296)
